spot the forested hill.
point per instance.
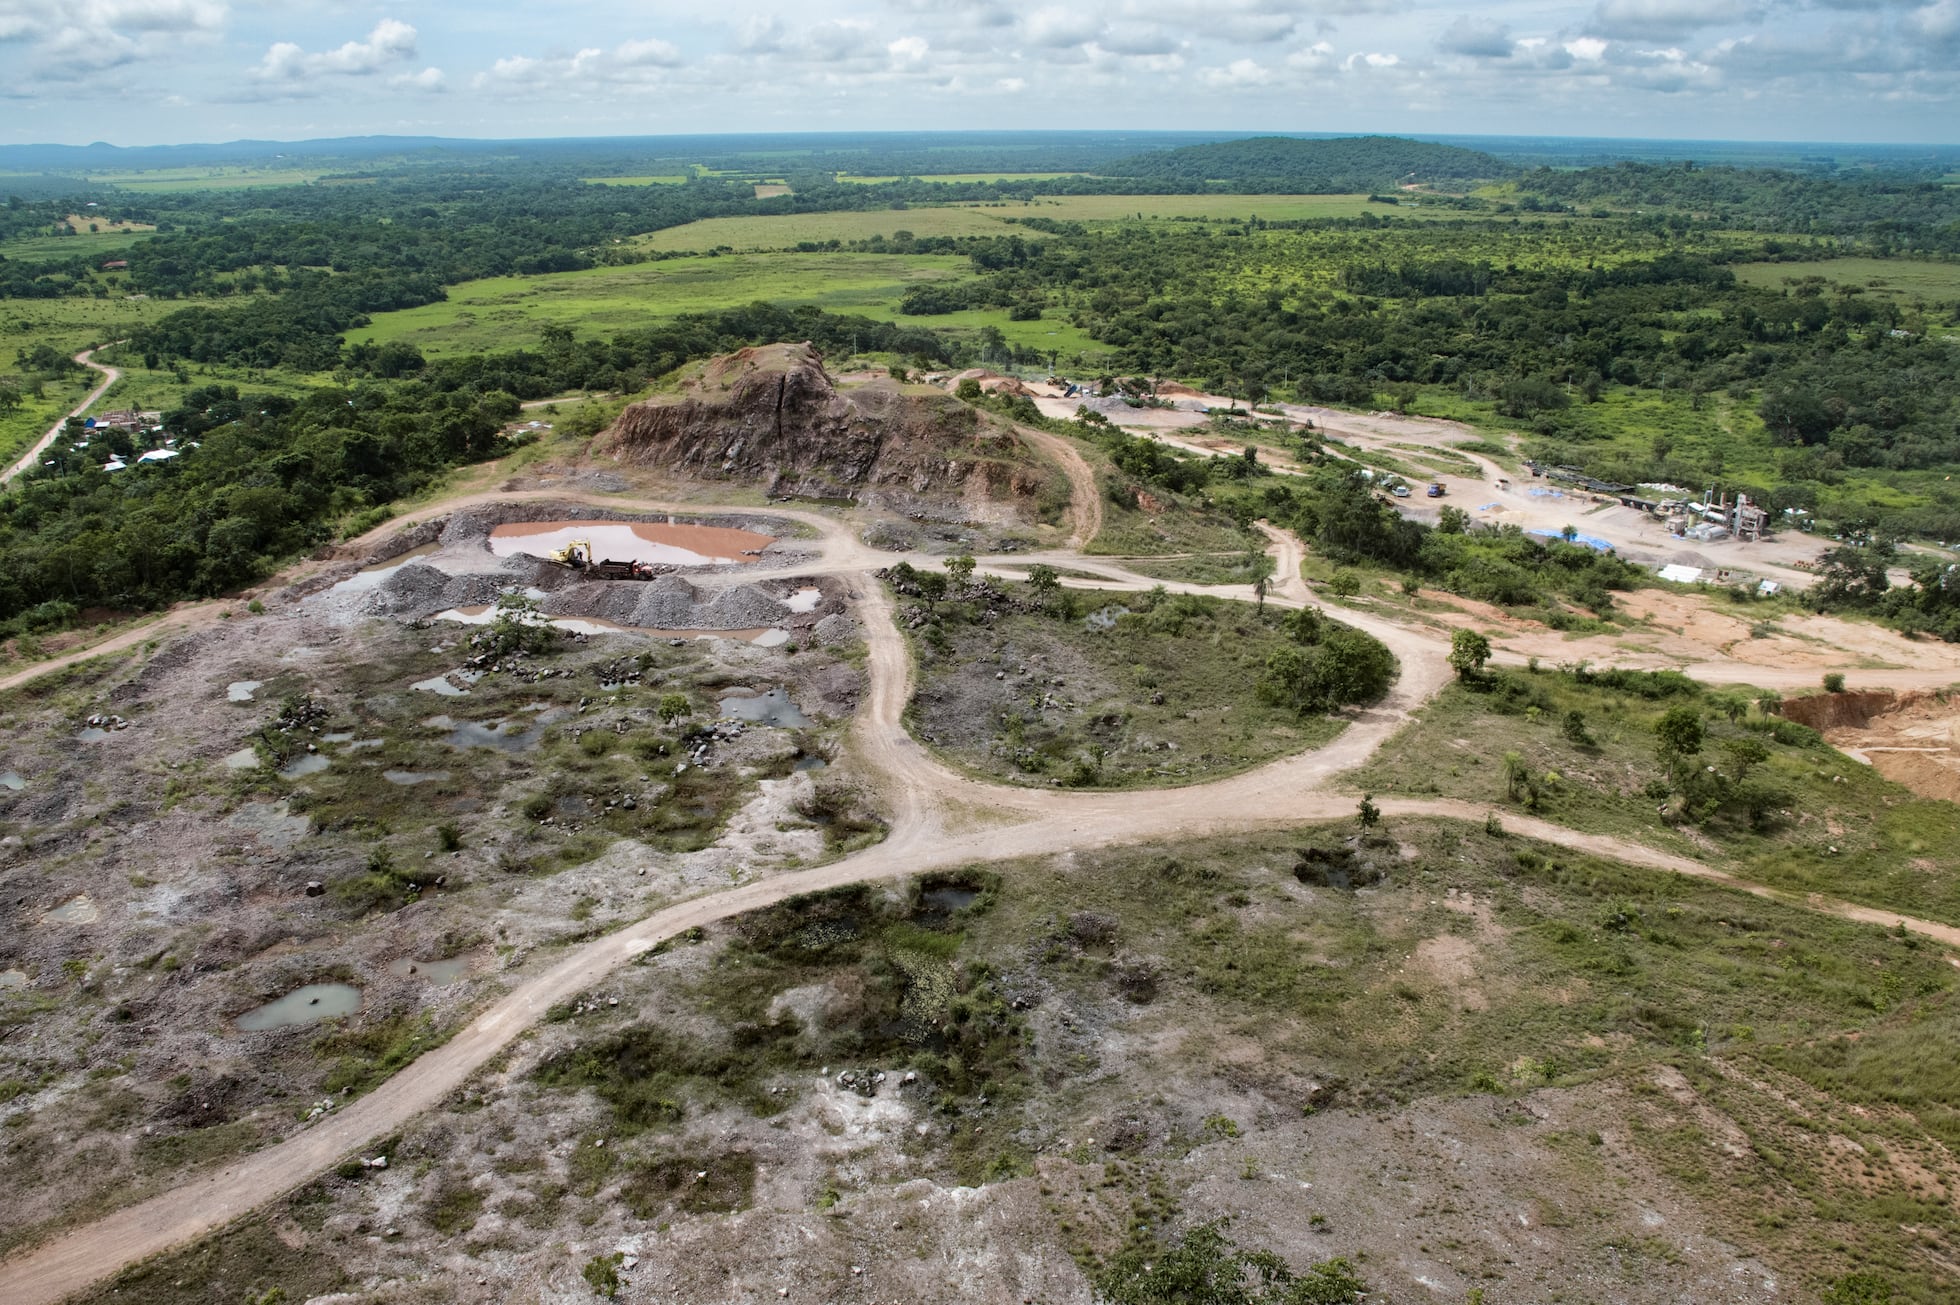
(1288, 165)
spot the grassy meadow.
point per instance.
(786, 231)
(1895, 278)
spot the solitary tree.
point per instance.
(1262, 567)
(673, 707)
(960, 568)
(1044, 582)
(1680, 733)
(1469, 651)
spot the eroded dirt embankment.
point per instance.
(1907, 737)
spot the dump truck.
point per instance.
(1436, 489)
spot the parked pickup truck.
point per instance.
(1436, 489)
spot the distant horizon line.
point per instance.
(1218, 133)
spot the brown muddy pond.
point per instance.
(672, 544)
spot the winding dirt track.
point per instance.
(939, 818)
(109, 377)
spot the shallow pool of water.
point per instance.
(373, 577)
(11, 780)
(810, 763)
(771, 638)
(771, 708)
(640, 541)
(410, 778)
(76, 910)
(242, 690)
(804, 600)
(440, 684)
(13, 978)
(434, 971)
(243, 759)
(308, 1005)
(91, 735)
(307, 763)
(949, 899)
(503, 735)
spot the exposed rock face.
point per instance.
(771, 416)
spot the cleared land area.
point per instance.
(785, 231)
(506, 312)
(1893, 277)
(949, 178)
(1273, 208)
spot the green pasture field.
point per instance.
(507, 312)
(220, 178)
(1894, 277)
(83, 244)
(785, 231)
(1272, 208)
(953, 177)
(675, 180)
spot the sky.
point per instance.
(146, 72)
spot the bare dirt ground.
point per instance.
(938, 819)
(1495, 495)
(1912, 739)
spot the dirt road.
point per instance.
(940, 819)
(109, 377)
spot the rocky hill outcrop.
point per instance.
(773, 417)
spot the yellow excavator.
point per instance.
(578, 556)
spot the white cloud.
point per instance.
(391, 42)
(429, 79)
(92, 34)
(641, 62)
(1313, 57)
(1590, 49)
(1240, 72)
(908, 51)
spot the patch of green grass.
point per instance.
(956, 177)
(246, 1264)
(1837, 827)
(217, 177)
(508, 312)
(1903, 279)
(669, 180)
(1101, 691)
(692, 1184)
(787, 230)
(1271, 208)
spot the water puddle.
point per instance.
(670, 544)
(410, 778)
(948, 899)
(271, 822)
(804, 600)
(446, 685)
(242, 690)
(503, 735)
(434, 971)
(772, 708)
(569, 624)
(1105, 618)
(810, 763)
(11, 781)
(771, 639)
(362, 745)
(346, 736)
(308, 1005)
(13, 979)
(76, 910)
(243, 759)
(91, 735)
(309, 763)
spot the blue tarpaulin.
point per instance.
(1590, 541)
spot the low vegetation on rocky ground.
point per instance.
(1423, 1051)
(1609, 751)
(281, 801)
(1038, 684)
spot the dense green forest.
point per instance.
(1287, 165)
(1552, 306)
